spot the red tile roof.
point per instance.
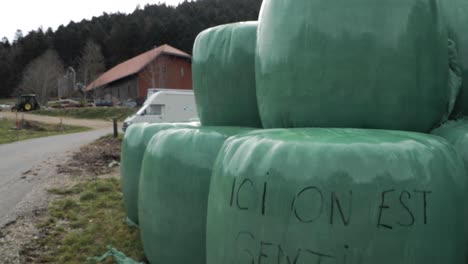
(134, 65)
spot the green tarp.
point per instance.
(357, 63)
(337, 196)
(456, 16)
(173, 194)
(223, 68)
(119, 257)
(133, 147)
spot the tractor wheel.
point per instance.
(27, 107)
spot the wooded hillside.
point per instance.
(118, 36)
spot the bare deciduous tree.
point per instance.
(91, 63)
(154, 74)
(150, 73)
(41, 76)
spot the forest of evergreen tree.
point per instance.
(119, 36)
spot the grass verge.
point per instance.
(8, 133)
(84, 221)
(7, 100)
(104, 113)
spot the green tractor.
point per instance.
(26, 102)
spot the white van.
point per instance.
(166, 105)
(151, 91)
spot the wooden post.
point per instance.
(116, 132)
(17, 121)
(17, 125)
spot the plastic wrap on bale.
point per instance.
(358, 63)
(133, 148)
(224, 75)
(173, 195)
(456, 16)
(456, 133)
(337, 196)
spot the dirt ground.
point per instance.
(94, 159)
(98, 160)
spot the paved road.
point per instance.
(17, 159)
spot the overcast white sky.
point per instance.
(29, 15)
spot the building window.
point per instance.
(182, 72)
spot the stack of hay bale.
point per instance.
(314, 144)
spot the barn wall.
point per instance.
(166, 72)
(119, 91)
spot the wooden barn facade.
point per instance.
(163, 67)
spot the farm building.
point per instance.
(162, 67)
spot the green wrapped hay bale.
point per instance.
(223, 68)
(358, 63)
(174, 191)
(337, 196)
(456, 16)
(456, 133)
(133, 148)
